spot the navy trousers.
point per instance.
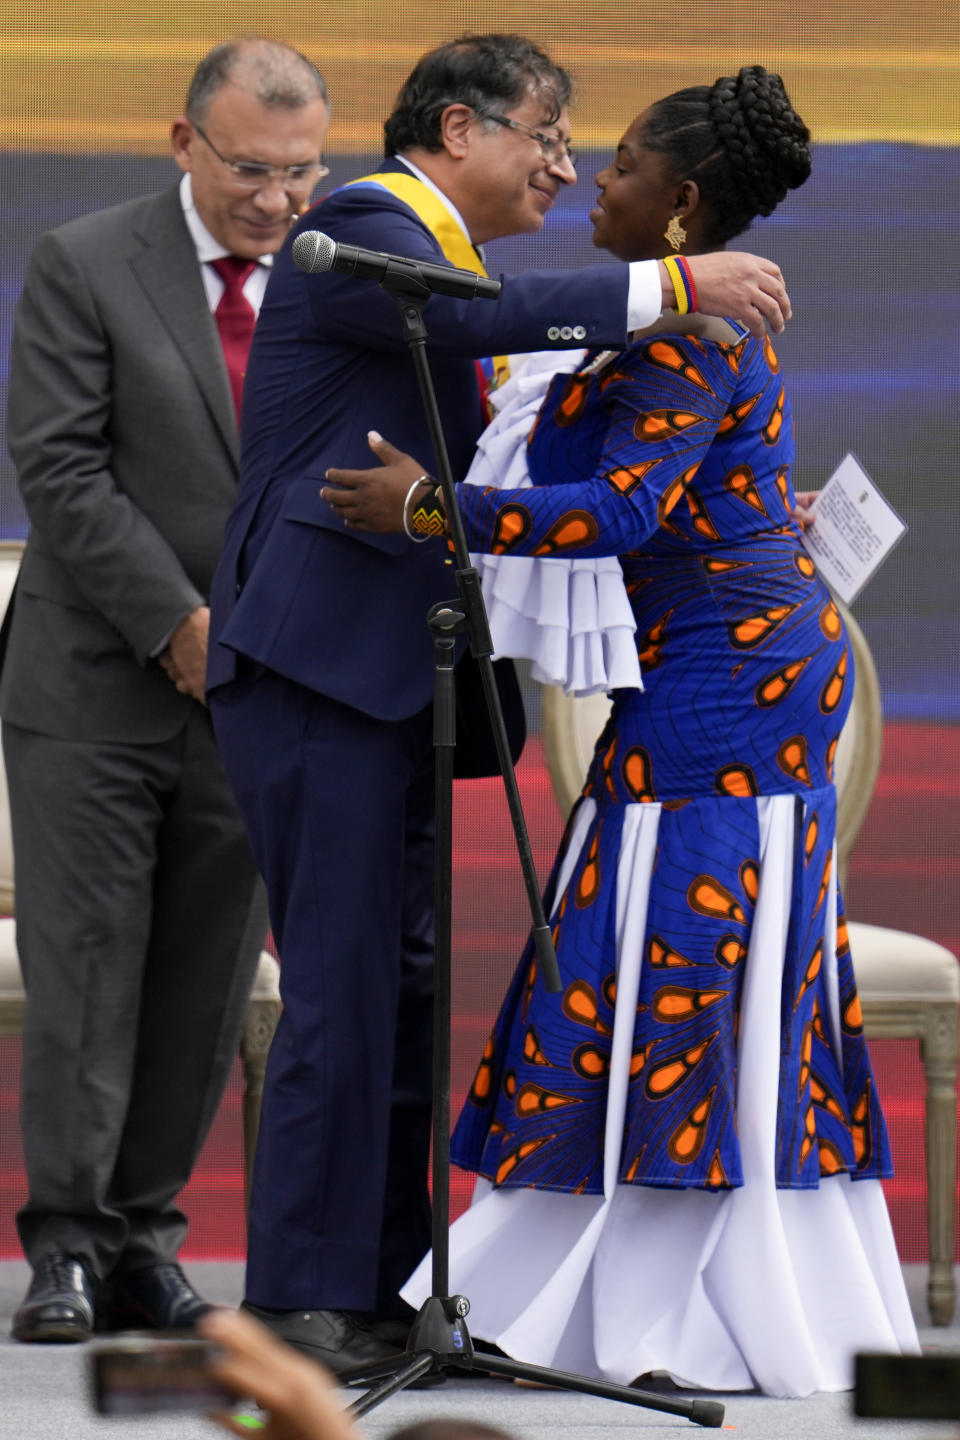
(339, 809)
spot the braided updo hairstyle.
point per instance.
(740, 139)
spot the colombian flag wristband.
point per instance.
(682, 280)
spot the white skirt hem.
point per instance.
(749, 1288)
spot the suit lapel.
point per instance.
(169, 273)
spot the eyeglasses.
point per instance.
(255, 175)
(553, 148)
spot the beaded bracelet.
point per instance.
(429, 517)
(681, 277)
(420, 480)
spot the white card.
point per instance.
(853, 529)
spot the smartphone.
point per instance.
(139, 1375)
(907, 1387)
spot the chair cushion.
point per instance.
(11, 985)
(892, 964)
(266, 982)
(888, 964)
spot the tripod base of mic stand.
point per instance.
(440, 1344)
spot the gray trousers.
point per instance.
(139, 922)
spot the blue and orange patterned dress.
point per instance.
(676, 455)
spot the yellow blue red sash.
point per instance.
(456, 246)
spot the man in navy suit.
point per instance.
(321, 666)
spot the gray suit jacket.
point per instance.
(123, 432)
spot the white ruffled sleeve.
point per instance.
(570, 618)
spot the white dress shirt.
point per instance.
(208, 249)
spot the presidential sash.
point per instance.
(457, 247)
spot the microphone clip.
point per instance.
(405, 282)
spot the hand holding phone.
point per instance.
(301, 1399)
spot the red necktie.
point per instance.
(235, 318)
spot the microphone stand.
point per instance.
(439, 1341)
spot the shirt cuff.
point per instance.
(644, 296)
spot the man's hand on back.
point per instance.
(736, 286)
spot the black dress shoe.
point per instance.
(394, 1332)
(59, 1304)
(334, 1337)
(155, 1297)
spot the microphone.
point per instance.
(315, 252)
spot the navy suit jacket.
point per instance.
(340, 613)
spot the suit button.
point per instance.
(579, 332)
(553, 333)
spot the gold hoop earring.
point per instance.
(675, 232)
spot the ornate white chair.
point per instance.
(909, 987)
(263, 1009)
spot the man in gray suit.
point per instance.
(139, 915)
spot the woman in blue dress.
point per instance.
(680, 1153)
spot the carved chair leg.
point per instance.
(260, 1023)
(938, 1051)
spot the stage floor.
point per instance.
(43, 1393)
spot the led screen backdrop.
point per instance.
(870, 249)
